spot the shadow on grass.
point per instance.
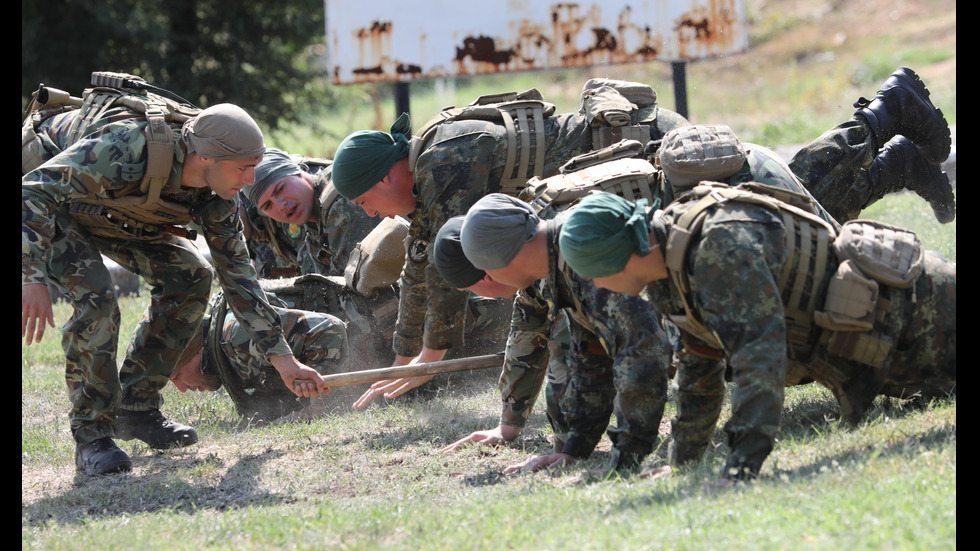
(162, 485)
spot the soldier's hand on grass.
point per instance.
(391, 388)
(35, 311)
(538, 462)
(494, 436)
(303, 380)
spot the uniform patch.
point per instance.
(418, 250)
(294, 231)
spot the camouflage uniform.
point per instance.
(57, 248)
(272, 245)
(617, 360)
(464, 162)
(840, 155)
(734, 264)
(316, 339)
(322, 245)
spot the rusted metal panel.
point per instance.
(402, 40)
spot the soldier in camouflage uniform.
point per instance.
(618, 358)
(536, 347)
(272, 245)
(313, 309)
(85, 201)
(719, 263)
(460, 162)
(223, 355)
(297, 193)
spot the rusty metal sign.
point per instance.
(406, 40)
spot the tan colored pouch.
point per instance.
(692, 154)
(885, 253)
(377, 261)
(850, 302)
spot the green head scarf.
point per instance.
(602, 232)
(364, 158)
(275, 165)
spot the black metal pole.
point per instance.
(401, 99)
(680, 87)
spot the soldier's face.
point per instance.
(189, 376)
(623, 282)
(387, 199)
(514, 275)
(488, 287)
(227, 178)
(288, 200)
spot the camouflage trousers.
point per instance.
(316, 339)
(179, 280)
(834, 168)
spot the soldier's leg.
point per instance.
(757, 404)
(700, 395)
(179, 279)
(834, 168)
(841, 168)
(556, 381)
(89, 339)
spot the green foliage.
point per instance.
(266, 57)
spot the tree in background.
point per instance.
(266, 57)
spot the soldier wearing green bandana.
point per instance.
(744, 289)
(618, 356)
(462, 161)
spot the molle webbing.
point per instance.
(524, 121)
(808, 241)
(522, 114)
(629, 178)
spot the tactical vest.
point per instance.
(614, 169)
(118, 96)
(829, 281)
(523, 115)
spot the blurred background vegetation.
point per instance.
(808, 60)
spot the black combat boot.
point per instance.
(902, 107)
(901, 165)
(153, 428)
(101, 456)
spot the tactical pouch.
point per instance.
(850, 302)
(629, 178)
(377, 261)
(30, 155)
(887, 254)
(691, 154)
(612, 108)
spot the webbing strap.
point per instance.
(160, 155)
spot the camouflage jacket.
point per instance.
(94, 167)
(335, 229)
(619, 355)
(464, 162)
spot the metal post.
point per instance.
(401, 99)
(680, 87)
